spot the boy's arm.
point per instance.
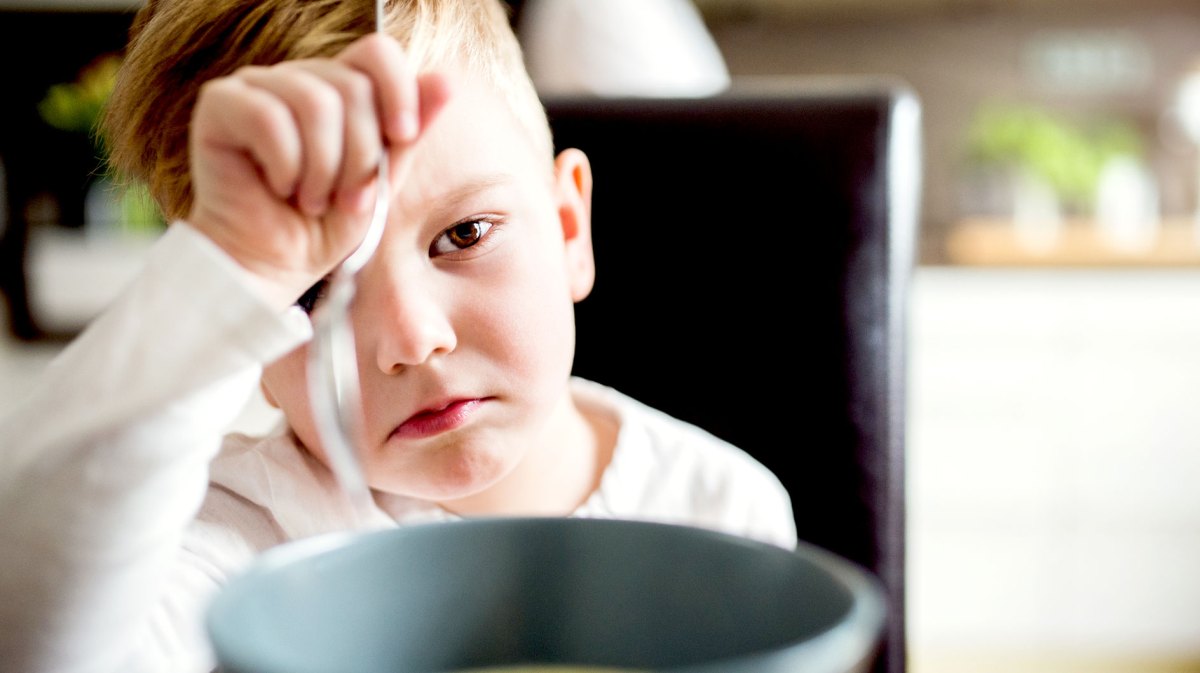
(105, 462)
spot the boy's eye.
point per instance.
(308, 300)
(460, 237)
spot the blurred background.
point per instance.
(1054, 520)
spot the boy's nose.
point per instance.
(411, 326)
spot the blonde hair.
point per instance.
(177, 45)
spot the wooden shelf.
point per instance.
(997, 242)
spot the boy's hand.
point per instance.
(284, 158)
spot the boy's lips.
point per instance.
(438, 418)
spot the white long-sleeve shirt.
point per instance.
(124, 508)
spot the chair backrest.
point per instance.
(753, 256)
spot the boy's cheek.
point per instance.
(285, 386)
(285, 381)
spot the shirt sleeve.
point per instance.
(104, 463)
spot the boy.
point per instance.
(125, 509)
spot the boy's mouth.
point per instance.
(439, 419)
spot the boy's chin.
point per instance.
(474, 488)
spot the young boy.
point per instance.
(124, 507)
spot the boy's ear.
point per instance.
(573, 187)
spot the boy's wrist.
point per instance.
(278, 287)
(276, 292)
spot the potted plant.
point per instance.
(111, 204)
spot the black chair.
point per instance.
(753, 257)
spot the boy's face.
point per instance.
(464, 317)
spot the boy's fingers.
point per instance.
(384, 61)
(315, 126)
(319, 116)
(435, 92)
(362, 140)
(231, 116)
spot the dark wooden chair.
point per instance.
(753, 257)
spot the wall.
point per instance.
(959, 54)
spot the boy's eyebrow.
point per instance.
(448, 200)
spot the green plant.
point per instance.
(76, 107)
(1069, 156)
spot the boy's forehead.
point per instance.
(478, 134)
(475, 143)
(518, 99)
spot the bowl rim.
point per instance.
(841, 647)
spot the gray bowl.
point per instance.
(489, 592)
